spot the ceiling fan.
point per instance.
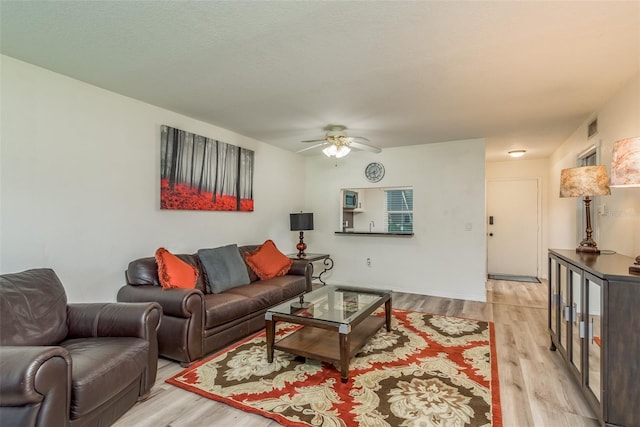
(337, 144)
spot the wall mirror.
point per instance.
(377, 210)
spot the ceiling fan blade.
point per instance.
(312, 147)
(365, 147)
(357, 138)
(315, 140)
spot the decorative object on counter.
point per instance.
(585, 181)
(374, 172)
(625, 172)
(635, 268)
(301, 222)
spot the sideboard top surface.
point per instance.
(609, 267)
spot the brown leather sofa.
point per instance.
(196, 323)
(71, 364)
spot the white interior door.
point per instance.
(513, 227)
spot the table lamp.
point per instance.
(625, 172)
(301, 222)
(585, 181)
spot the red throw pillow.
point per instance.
(173, 272)
(268, 262)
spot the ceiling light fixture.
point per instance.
(336, 150)
(337, 144)
(517, 153)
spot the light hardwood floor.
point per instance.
(535, 388)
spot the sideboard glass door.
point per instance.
(594, 337)
(575, 352)
(554, 296)
(564, 307)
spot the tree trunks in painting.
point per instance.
(199, 173)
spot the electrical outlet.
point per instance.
(368, 262)
(468, 226)
(602, 210)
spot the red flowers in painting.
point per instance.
(187, 198)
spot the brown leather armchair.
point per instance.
(71, 364)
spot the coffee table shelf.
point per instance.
(323, 344)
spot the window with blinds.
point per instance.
(399, 210)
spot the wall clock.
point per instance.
(374, 171)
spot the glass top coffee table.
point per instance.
(336, 321)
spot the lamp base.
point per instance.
(588, 249)
(301, 246)
(300, 305)
(588, 245)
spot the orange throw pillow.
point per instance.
(268, 262)
(173, 272)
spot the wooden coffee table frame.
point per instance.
(317, 338)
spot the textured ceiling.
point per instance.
(521, 74)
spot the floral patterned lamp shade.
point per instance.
(625, 172)
(625, 163)
(585, 181)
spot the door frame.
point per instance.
(538, 220)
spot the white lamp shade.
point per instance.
(625, 163)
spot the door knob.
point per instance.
(490, 234)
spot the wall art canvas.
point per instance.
(199, 173)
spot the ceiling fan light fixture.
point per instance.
(336, 150)
(342, 151)
(330, 151)
(337, 144)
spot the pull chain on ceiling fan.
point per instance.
(337, 144)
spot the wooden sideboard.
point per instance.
(594, 323)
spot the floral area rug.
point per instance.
(430, 370)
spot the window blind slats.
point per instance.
(399, 211)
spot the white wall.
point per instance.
(619, 228)
(79, 184)
(441, 259)
(526, 169)
(79, 192)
